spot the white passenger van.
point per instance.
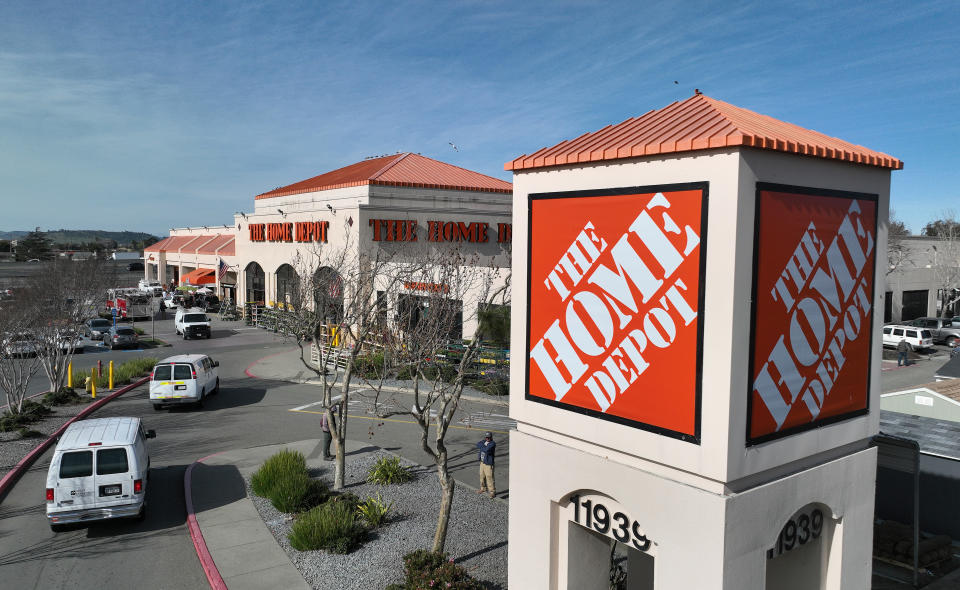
(183, 379)
(99, 470)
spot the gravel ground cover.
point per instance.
(13, 448)
(476, 538)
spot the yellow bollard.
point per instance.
(93, 386)
(70, 375)
(111, 376)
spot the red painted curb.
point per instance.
(196, 535)
(11, 478)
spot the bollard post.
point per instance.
(70, 375)
(111, 376)
(93, 386)
(99, 368)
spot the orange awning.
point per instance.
(201, 276)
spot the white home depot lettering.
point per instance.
(825, 291)
(620, 300)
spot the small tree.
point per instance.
(66, 294)
(945, 256)
(429, 351)
(898, 254)
(334, 313)
(18, 363)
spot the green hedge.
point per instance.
(427, 569)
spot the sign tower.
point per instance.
(700, 368)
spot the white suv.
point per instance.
(916, 338)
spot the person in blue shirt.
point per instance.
(487, 447)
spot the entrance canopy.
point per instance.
(200, 276)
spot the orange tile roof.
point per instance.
(218, 242)
(698, 123)
(222, 244)
(405, 169)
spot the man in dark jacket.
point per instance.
(487, 447)
(902, 348)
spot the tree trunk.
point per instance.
(447, 485)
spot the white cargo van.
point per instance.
(99, 470)
(183, 379)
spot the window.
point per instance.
(887, 331)
(911, 333)
(182, 372)
(126, 332)
(925, 334)
(195, 317)
(76, 464)
(110, 461)
(898, 332)
(162, 373)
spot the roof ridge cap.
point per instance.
(388, 166)
(712, 103)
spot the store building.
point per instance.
(376, 203)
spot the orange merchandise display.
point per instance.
(615, 313)
(812, 308)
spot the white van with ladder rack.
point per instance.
(100, 469)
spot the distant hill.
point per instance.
(83, 236)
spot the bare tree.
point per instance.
(454, 290)
(898, 253)
(945, 258)
(335, 310)
(65, 294)
(18, 356)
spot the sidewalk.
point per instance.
(243, 549)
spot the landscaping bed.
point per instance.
(476, 538)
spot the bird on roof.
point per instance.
(454, 146)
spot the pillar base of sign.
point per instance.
(803, 530)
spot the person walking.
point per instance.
(902, 349)
(327, 436)
(487, 447)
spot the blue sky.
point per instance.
(151, 115)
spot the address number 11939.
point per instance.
(595, 515)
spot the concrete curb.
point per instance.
(11, 478)
(196, 535)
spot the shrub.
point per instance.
(284, 465)
(389, 470)
(289, 492)
(374, 510)
(30, 412)
(65, 397)
(123, 373)
(317, 493)
(426, 569)
(332, 526)
(370, 367)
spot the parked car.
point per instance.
(944, 331)
(97, 327)
(100, 470)
(184, 379)
(21, 344)
(192, 323)
(917, 338)
(68, 339)
(121, 337)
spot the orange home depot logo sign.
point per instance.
(616, 304)
(812, 308)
